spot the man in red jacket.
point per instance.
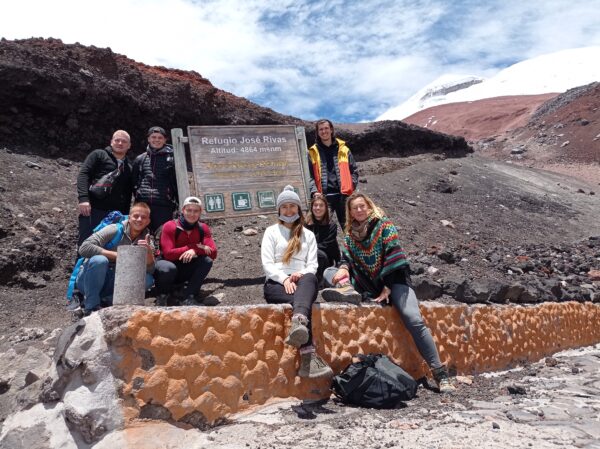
(188, 251)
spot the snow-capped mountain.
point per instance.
(554, 72)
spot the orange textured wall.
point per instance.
(218, 361)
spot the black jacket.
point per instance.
(326, 236)
(154, 177)
(97, 164)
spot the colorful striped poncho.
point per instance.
(373, 258)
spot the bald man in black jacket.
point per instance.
(100, 162)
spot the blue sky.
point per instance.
(343, 59)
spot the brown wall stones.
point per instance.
(218, 361)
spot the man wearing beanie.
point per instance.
(154, 178)
(289, 259)
(332, 169)
(188, 251)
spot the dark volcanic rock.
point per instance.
(73, 97)
(426, 289)
(65, 100)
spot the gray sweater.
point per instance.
(95, 243)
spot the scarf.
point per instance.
(359, 230)
(185, 225)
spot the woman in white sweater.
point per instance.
(289, 258)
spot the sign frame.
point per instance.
(247, 159)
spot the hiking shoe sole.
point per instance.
(297, 337)
(334, 295)
(313, 366)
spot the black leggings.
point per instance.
(337, 203)
(324, 262)
(301, 300)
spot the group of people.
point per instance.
(299, 255)
(186, 247)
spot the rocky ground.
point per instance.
(551, 403)
(556, 132)
(466, 119)
(476, 230)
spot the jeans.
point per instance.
(194, 272)
(301, 300)
(96, 280)
(328, 275)
(404, 299)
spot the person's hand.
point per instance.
(207, 249)
(146, 242)
(187, 256)
(295, 277)
(340, 274)
(85, 209)
(289, 285)
(384, 296)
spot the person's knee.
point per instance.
(322, 256)
(309, 279)
(328, 275)
(165, 267)
(98, 261)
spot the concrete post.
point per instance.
(130, 275)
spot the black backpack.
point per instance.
(374, 382)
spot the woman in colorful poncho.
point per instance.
(374, 262)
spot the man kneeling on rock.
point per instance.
(96, 279)
(188, 251)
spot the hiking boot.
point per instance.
(313, 366)
(76, 301)
(88, 312)
(440, 375)
(191, 300)
(77, 314)
(345, 293)
(161, 300)
(211, 301)
(298, 334)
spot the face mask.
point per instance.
(288, 220)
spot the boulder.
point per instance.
(22, 377)
(81, 378)
(426, 289)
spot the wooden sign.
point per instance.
(240, 170)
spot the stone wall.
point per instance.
(198, 365)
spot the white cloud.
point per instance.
(349, 60)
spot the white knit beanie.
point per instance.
(288, 196)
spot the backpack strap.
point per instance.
(117, 237)
(178, 231)
(73, 279)
(110, 245)
(201, 229)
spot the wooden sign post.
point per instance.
(240, 170)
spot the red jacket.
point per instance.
(172, 249)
